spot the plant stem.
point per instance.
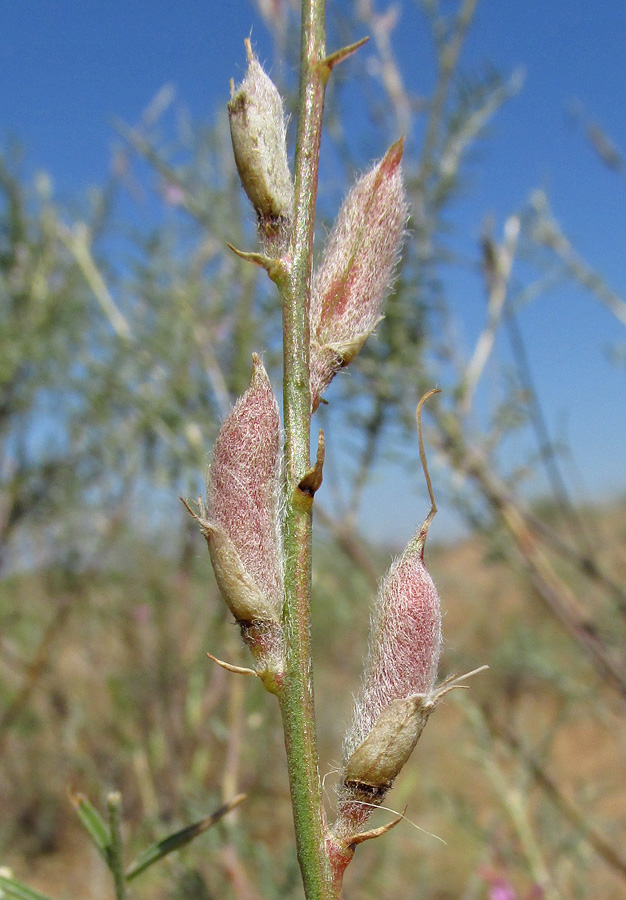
(296, 698)
(116, 857)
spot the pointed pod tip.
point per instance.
(258, 375)
(388, 168)
(423, 532)
(393, 156)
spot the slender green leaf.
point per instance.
(177, 840)
(15, 890)
(93, 823)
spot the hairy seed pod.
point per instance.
(398, 690)
(357, 269)
(243, 503)
(257, 127)
(404, 645)
(242, 523)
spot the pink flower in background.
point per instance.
(501, 890)
(499, 886)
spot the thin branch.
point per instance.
(77, 241)
(372, 427)
(515, 804)
(587, 565)
(500, 273)
(144, 148)
(476, 122)
(349, 543)
(556, 595)
(447, 57)
(548, 233)
(381, 27)
(545, 444)
(35, 669)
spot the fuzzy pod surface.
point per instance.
(394, 702)
(242, 516)
(258, 133)
(357, 269)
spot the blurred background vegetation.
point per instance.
(120, 353)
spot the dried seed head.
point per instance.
(357, 269)
(243, 500)
(257, 128)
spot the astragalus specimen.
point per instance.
(261, 484)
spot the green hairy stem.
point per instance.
(296, 699)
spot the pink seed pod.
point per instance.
(257, 128)
(400, 672)
(357, 269)
(398, 691)
(242, 524)
(244, 488)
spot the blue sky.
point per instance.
(68, 67)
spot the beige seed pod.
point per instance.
(257, 128)
(376, 762)
(241, 593)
